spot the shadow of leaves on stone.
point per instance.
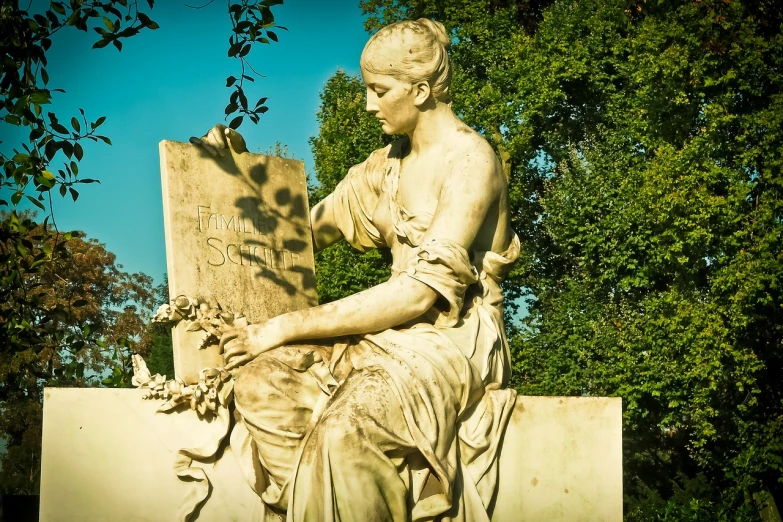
(268, 217)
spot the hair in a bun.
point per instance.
(438, 30)
(412, 51)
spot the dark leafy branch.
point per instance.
(253, 23)
(25, 92)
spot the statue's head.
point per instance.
(412, 51)
(405, 66)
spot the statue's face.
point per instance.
(392, 101)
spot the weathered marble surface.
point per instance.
(108, 456)
(561, 461)
(238, 231)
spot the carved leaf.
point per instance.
(194, 326)
(167, 406)
(213, 331)
(226, 393)
(141, 375)
(207, 340)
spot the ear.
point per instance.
(422, 93)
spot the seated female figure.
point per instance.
(389, 405)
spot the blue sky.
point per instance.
(170, 84)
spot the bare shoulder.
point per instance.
(473, 161)
(472, 193)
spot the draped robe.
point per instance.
(401, 424)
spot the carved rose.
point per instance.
(210, 400)
(211, 391)
(185, 305)
(205, 397)
(202, 315)
(210, 377)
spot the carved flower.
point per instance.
(205, 397)
(141, 375)
(210, 377)
(185, 305)
(175, 387)
(166, 313)
(203, 310)
(158, 381)
(211, 400)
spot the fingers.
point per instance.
(216, 137)
(214, 141)
(234, 352)
(234, 348)
(202, 142)
(238, 361)
(226, 338)
(236, 140)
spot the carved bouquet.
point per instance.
(214, 388)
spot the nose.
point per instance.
(372, 102)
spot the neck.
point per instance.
(430, 127)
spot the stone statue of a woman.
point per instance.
(389, 405)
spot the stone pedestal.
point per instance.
(108, 456)
(561, 461)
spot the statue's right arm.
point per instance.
(324, 226)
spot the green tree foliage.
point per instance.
(347, 135)
(68, 314)
(26, 37)
(643, 145)
(158, 337)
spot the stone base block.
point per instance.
(561, 461)
(108, 456)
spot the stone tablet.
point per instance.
(237, 232)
